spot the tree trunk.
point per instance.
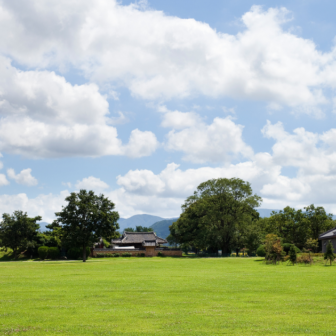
(84, 253)
(237, 252)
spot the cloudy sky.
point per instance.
(145, 100)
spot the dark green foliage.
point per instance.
(287, 246)
(329, 254)
(292, 255)
(261, 252)
(318, 220)
(139, 229)
(86, 218)
(126, 254)
(106, 243)
(141, 255)
(116, 255)
(18, 231)
(160, 254)
(297, 226)
(76, 252)
(53, 253)
(217, 215)
(43, 252)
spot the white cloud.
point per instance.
(160, 57)
(92, 183)
(24, 177)
(3, 180)
(218, 142)
(45, 116)
(44, 205)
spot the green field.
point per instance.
(166, 296)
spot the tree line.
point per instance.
(80, 224)
(222, 215)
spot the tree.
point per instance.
(290, 224)
(318, 220)
(86, 218)
(18, 231)
(292, 255)
(329, 254)
(139, 229)
(312, 244)
(273, 247)
(215, 216)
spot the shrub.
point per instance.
(126, 254)
(53, 252)
(329, 254)
(287, 246)
(43, 252)
(160, 254)
(116, 255)
(304, 259)
(76, 253)
(261, 251)
(141, 254)
(292, 255)
(100, 255)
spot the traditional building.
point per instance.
(139, 240)
(326, 236)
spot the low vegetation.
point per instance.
(166, 296)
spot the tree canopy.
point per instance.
(86, 218)
(18, 231)
(216, 215)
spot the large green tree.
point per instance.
(319, 221)
(215, 216)
(290, 224)
(86, 218)
(18, 231)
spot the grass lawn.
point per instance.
(166, 296)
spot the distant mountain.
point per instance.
(161, 228)
(138, 220)
(265, 212)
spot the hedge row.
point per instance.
(75, 253)
(48, 252)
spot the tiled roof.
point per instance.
(330, 234)
(139, 238)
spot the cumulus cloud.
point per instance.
(218, 142)
(24, 177)
(44, 205)
(161, 57)
(92, 183)
(42, 115)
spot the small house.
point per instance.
(326, 236)
(148, 241)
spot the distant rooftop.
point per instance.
(144, 238)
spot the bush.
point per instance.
(304, 259)
(76, 253)
(261, 252)
(100, 255)
(43, 252)
(141, 255)
(116, 255)
(287, 246)
(160, 254)
(53, 252)
(126, 254)
(292, 255)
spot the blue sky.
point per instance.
(145, 100)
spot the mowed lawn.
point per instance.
(166, 296)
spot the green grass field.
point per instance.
(166, 296)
